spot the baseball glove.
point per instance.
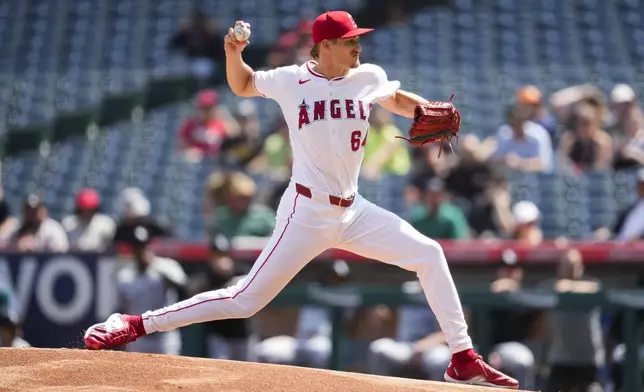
(434, 122)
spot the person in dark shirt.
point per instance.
(513, 328)
(136, 213)
(231, 339)
(199, 40)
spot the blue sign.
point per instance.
(59, 295)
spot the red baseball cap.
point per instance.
(207, 98)
(335, 24)
(88, 199)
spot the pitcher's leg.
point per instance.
(378, 234)
(296, 240)
(381, 235)
(291, 247)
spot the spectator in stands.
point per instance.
(439, 218)
(418, 349)
(513, 329)
(426, 165)
(630, 222)
(204, 134)
(214, 192)
(311, 345)
(586, 146)
(149, 282)
(38, 232)
(626, 128)
(565, 102)
(529, 101)
(135, 211)
(231, 339)
(89, 230)
(384, 155)
(8, 223)
(241, 148)
(199, 40)
(576, 350)
(523, 145)
(469, 177)
(275, 159)
(525, 227)
(240, 214)
(490, 214)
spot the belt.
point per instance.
(335, 200)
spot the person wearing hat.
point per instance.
(88, 229)
(626, 128)
(526, 228)
(326, 103)
(529, 101)
(232, 339)
(145, 281)
(439, 218)
(203, 134)
(523, 145)
(134, 209)
(240, 214)
(38, 232)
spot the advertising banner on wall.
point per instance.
(57, 296)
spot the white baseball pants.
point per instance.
(305, 228)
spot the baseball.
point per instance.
(241, 33)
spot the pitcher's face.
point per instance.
(345, 52)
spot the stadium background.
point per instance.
(94, 95)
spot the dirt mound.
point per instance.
(110, 371)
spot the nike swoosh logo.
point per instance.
(304, 81)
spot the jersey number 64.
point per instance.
(357, 141)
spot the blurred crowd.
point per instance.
(460, 195)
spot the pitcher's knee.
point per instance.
(429, 254)
(246, 308)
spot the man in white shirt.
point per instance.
(149, 281)
(89, 230)
(524, 145)
(326, 103)
(37, 231)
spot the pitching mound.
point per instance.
(109, 371)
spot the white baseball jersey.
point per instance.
(328, 125)
(328, 120)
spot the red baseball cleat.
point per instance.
(477, 372)
(117, 331)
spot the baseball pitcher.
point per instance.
(326, 103)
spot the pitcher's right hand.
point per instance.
(231, 45)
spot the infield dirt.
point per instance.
(58, 370)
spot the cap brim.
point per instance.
(356, 32)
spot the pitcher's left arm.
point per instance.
(402, 103)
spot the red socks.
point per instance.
(137, 323)
(464, 356)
